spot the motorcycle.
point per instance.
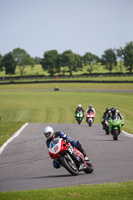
(90, 117)
(106, 126)
(69, 157)
(79, 117)
(115, 127)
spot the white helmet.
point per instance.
(48, 132)
(79, 106)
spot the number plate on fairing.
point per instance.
(70, 149)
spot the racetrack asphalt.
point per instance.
(25, 163)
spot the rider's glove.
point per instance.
(68, 140)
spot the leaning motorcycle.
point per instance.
(115, 127)
(69, 157)
(79, 117)
(90, 118)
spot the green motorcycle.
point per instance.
(79, 117)
(115, 127)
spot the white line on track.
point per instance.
(127, 134)
(12, 137)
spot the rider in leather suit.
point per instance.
(105, 116)
(113, 113)
(90, 108)
(79, 108)
(50, 135)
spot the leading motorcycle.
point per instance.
(69, 157)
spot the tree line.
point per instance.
(52, 61)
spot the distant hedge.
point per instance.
(66, 76)
(62, 81)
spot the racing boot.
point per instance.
(83, 151)
(85, 155)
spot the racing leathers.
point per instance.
(114, 115)
(105, 117)
(90, 110)
(78, 109)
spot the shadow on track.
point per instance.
(53, 176)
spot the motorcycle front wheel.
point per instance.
(79, 122)
(69, 165)
(90, 123)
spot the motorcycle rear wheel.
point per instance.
(69, 166)
(115, 137)
(90, 168)
(115, 134)
(107, 130)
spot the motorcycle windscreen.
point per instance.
(55, 146)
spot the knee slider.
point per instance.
(56, 164)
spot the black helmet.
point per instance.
(90, 106)
(113, 110)
(107, 109)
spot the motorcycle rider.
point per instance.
(78, 109)
(50, 135)
(90, 108)
(105, 116)
(114, 113)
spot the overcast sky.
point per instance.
(78, 25)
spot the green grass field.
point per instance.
(59, 107)
(119, 191)
(83, 86)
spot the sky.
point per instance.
(82, 26)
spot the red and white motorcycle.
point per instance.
(69, 157)
(90, 117)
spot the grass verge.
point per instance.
(7, 129)
(119, 191)
(83, 86)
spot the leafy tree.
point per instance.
(50, 63)
(120, 56)
(77, 63)
(71, 60)
(37, 60)
(1, 67)
(109, 59)
(128, 56)
(9, 63)
(22, 59)
(90, 60)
